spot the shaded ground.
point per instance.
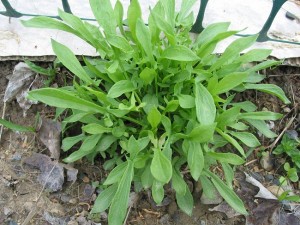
(24, 201)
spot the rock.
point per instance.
(73, 201)
(269, 178)
(266, 162)
(65, 198)
(16, 157)
(7, 211)
(215, 201)
(293, 134)
(275, 190)
(72, 222)
(165, 219)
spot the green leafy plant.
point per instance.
(156, 101)
(289, 147)
(49, 72)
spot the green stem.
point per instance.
(133, 120)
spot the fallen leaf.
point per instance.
(49, 134)
(227, 209)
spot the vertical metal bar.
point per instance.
(198, 26)
(66, 6)
(263, 34)
(10, 11)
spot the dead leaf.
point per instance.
(49, 134)
(225, 208)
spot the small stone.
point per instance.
(16, 157)
(269, 178)
(202, 222)
(266, 162)
(85, 179)
(73, 201)
(215, 201)
(164, 219)
(292, 134)
(275, 190)
(7, 211)
(72, 223)
(286, 109)
(65, 198)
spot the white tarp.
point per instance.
(16, 40)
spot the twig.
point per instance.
(126, 218)
(30, 216)
(271, 146)
(2, 117)
(250, 162)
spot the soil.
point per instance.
(24, 201)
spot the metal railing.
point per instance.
(197, 27)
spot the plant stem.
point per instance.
(133, 120)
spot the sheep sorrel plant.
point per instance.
(156, 102)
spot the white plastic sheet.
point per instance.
(16, 40)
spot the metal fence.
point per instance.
(197, 27)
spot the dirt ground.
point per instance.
(24, 201)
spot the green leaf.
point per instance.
(147, 178)
(208, 188)
(185, 201)
(239, 126)
(86, 148)
(104, 199)
(148, 75)
(102, 10)
(228, 117)
(49, 23)
(247, 138)
(144, 38)
(105, 142)
(120, 43)
(119, 88)
(262, 115)
(262, 127)
(16, 127)
(186, 101)
(69, 60)
(202, 133)
(178, 182)
(161, 167)
(205, 106)
(229, 174)
(270, 89)
(157, 191)
(94, 128)
(179, 53)
(229, 82)
(210, 32)
(63, 99)
(195, 160)
(115, 175)
(133, 14)
(38, 69)
(254, 55)
(232, 141)
(118, 208)
(154, 117)
(119, 13)
(69, 142)
(230, 197)
(263, 65)
(230, 158)
(185, 9)
(246, 106)
(169, 8)
(172, 106)
(233, 51)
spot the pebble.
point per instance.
(16, 157)
(266, 162)
(7, 211)
(65, 198)
(73, 201)
(269, 178)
